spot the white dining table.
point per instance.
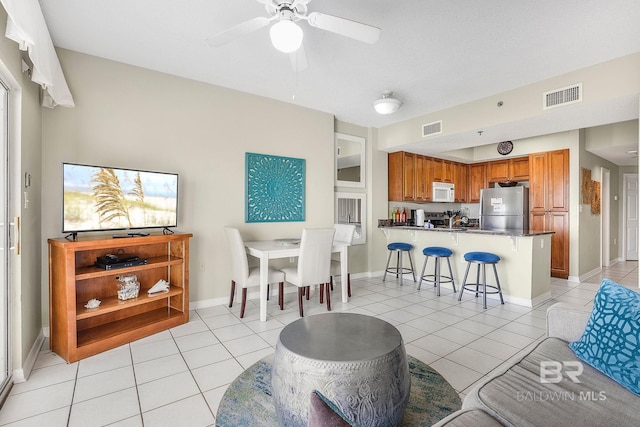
(265, 250)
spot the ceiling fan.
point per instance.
(286, 35)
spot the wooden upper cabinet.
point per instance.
(498, 171)
(558, 191)
(437, 170)
(549, 181)
(447, 171)
(420, 176)
(460, 181)
(549, 204)
(428, 178)
(395, 175)
(477, 174)
(508, 170)
(405, 183)
(519, 169)
(408, 177)
(442, 170)
(537, 183)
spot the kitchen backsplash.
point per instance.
(473, 209)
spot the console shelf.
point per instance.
(78, 332)
(91, 271)
(132, 325)
(110, 304)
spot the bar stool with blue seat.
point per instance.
(481, 259)
(438, 253)
(399, 269)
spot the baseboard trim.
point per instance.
(529, 302)
(21, 375)
(197, 305)
(525, 302)
(585, 276)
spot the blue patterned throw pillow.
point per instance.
(611, 340)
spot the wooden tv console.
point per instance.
(78, 332)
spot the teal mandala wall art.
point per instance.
(275, 188)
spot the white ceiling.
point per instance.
(432, 54)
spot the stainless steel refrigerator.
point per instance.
(504, 208)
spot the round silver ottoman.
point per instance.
(356, 361)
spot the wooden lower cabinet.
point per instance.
(78, 332)
(558, 222)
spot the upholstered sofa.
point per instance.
(566, 391)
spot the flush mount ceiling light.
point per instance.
(387, 104)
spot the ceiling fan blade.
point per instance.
(299, 60)
(345, 27)
(238, 31)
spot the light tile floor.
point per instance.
(177, 377)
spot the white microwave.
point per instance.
(443, 192)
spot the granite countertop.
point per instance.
(471, 230)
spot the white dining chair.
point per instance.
(344, 234)
(314, 264)
(245, 276)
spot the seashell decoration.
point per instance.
(93, 303)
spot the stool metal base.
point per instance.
(477, 290)
(437, 277)
(399, 270)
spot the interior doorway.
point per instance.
(605, 218)
(630, 217)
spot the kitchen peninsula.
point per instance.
(525, 256)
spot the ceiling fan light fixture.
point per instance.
(386, 104)
(286, 36)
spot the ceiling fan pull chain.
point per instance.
(295, 80)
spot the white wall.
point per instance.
(135, 118)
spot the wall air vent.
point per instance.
(563, 96)
(432, 128)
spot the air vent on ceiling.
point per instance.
(432, 128)
(563, 96)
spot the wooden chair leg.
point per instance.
(322, 293)
(244, 302)
(331, 281)
(281, 295)
(233, 292)
(300, 292)
(349, 284)
(268, 291)
(308, 292)
(328, 298)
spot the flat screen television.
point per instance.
(100, 198)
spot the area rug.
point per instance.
(248, 400)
